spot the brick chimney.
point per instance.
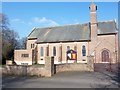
(93, 21)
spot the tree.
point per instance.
(3, 22)
(22, 43)
(9, 39)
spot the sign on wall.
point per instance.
(71, 55)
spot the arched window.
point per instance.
(54, 51)
(68, 48)
(83, 51)
(42, 51)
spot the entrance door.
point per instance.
(106, 60)
(105, 56)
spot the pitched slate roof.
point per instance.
(107, 27)
(75, 32)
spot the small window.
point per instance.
(83, 60)
(68, 48)
(42, 51)
(32, 45)
(54, 51)
(83, 51)
(24, 55)
(41, 59)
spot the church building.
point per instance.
(72, 43)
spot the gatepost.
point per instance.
(49, 66)
(90, 62)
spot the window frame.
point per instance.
(54, 51)
(41, 51)
(83, 50)
(32, 45)
(24, 55)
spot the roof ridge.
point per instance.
(106, 21)
(31, 31)
(62, 25)
(72, 24)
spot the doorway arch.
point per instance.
(105, 55)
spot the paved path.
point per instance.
(62, 80)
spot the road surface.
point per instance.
(61, 80)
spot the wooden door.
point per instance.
(105, 56)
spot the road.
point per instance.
(61, 80)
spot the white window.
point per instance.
(54, 51)
(83, 50)
(42, 51)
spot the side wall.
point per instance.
(23, 60)
(30, 47)
(61, 49)
(29, 42)
(108, 42)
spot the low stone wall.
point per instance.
(72, 67)
(89, 66)
(22, 70)
(13, 70)
(36, 70)
(46, 70)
